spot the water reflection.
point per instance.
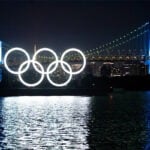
(146, 97)
(119, 121)
(45, 122)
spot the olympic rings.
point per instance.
(78, 51)
(8, 53)
(49, 69)
(31, 84)
(62, 84)
(49, 50)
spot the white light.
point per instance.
(41, 71)
(31, 84)
(62, 84)
(8, 53)
(0, 52)
(78, 51)
(42, 50)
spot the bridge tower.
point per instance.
(0, 52)
(147, 48)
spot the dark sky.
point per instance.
(65, 24)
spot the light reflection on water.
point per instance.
(146, 97)
(45, 122)
(119, 121)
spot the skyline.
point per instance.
(63, 24)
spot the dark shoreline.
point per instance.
(53, 92)
(92, 87)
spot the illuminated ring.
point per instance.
(12, 50)
(31, 84)
(40, 70)
(62, 84)
(78, 51)
(42, 50)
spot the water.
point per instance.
(116, 121)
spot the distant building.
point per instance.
(106, 69)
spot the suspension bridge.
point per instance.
(132, 48)
(127, 55)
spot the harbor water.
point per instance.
(116, 121)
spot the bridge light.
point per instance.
(0, 52)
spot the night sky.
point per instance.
(64, 24)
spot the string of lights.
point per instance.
(116, 43)
(107, 48)
(122, 40)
